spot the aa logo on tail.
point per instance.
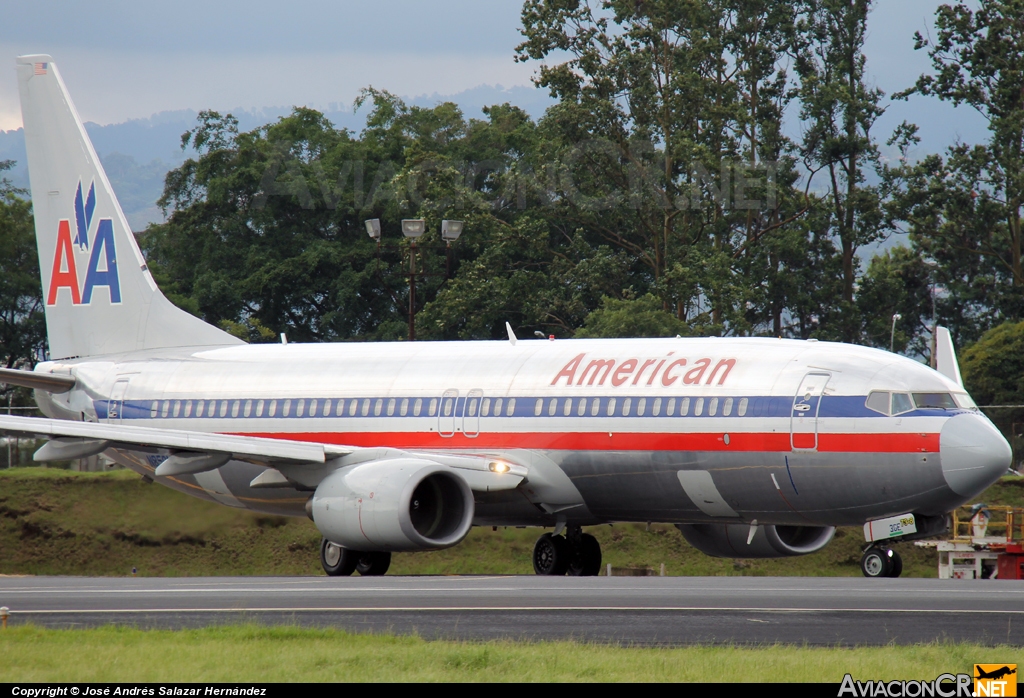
(102, 254)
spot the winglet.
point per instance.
(511, 334)
(945, 356)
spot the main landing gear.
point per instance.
(577, 554)
(881, 562)
(341, 562)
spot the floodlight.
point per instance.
(373, 228)
(451, 230)
(413, 227)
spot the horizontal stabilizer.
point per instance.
(945, 356)
(47, 382)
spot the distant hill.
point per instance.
(137, 154)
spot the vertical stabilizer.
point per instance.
(945, 356)
(99, 296)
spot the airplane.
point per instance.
(753, 447)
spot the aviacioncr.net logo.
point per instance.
(945, 686)
(102, 257)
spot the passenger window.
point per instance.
(404, 409)
(581, 408)
(366, 407)
(595, 406)
(552, 407)
(698, 407)
(300, 408)
(727, 408)
(497, 407)
(671, 407)
(611, 407)
(417, 407)
(433, 406)
(656, 407)
(713, 407)
(391, 406)
(567, 407)
(353, 405)
(626, 404)
(743, 406)
(641, 406)
(878, 401)
(901, 403)
(511, 409)
(934, 401)
(485, 407)
(684, 407)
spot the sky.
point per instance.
(131, 59)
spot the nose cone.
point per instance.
(974, 454)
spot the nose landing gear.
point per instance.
(881, 562)
(577, 553)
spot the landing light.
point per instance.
(496, 466)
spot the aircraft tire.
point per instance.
(876, 563)
(585, 558)
(336, 560)
(551, 555)
(897, 565)
(373, 564)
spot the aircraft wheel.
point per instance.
(373, 564)
(336, 560)
(551, 555)
(897, 564)
(876, 563)
(585, 558)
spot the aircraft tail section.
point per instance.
(99, 296)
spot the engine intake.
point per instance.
(730, 540)
(394, 505)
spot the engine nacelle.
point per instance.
(730, 540)
(393, 505)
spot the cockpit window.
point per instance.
(934, 401)
(878, 401)
(964, 400)
(901, 403)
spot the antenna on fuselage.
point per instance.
(511, 334)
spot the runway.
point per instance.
(629, 610)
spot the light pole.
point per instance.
(892, 333)
(413, 228)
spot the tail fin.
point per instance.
(100, 297)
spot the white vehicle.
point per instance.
(754, 447)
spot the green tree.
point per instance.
(993, 367)
(840, 109)
(639, 317)
(22, 326)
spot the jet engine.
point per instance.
(730, 540)
(392, 505)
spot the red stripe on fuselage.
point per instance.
(624, 441)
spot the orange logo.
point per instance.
(995, 680)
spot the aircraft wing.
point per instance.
(196, 452)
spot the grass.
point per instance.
(62, 522)
(253, 653)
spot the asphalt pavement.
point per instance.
(629, 610)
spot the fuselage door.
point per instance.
(447, 413)
(115, 405)
(471, 413)
(804, 416)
